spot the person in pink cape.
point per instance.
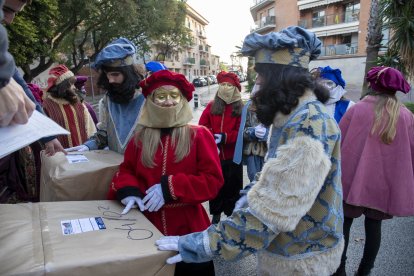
(377, 161)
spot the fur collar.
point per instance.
(280, 119)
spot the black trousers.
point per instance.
(194, 269)
(372, 243)
(230, 192)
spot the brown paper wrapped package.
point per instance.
(32, 242)
(62, 181)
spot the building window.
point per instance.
(352, 11)
(318, 18)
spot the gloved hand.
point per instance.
(78, 148)
(129, 201)
(260, 131)
(169, 243)
(241, 203)
(154, 199)
(218, 138)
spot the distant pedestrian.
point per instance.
(332, 79)
(222, 117)
(377, 161)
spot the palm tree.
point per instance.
(373, 39)
(398, 17)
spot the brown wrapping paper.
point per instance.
(62, 181)
(120, 249)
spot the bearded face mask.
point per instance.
(228, 93)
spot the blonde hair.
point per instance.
(387, 111)
(150, 139)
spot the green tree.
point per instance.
(398, 17)
(74, 31)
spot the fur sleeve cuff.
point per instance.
(289, 183)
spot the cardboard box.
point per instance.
(32, 241)
(64, 181)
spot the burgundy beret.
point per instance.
(387, 80)
(165, 77)
(230, 78)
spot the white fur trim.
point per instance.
(289, 184)
(63, 77)
(317, 264)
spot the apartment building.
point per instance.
(196, 59)
(341, 25)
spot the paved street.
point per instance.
(396, 256)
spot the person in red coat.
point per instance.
(170, 167)
(222, 117)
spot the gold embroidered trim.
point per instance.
(175, 205)
(164, 223)
(65, 119)
(171, 187)
(78, 132)
(164, 159)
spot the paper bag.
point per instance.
(33, 241)
(64, 181)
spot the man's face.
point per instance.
(115, 78)
(10, 8)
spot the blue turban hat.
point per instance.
(154, 66)
(294, 46)
(117, 53)
(334, 75)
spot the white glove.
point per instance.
(78, 148)
(154, 199)
(129, 201)
(218, 138)
(241, 203)
(260, 131)
(169, 243)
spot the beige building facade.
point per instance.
(196, 59)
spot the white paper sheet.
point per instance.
(15, 137)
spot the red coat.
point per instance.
(222, 124)
(195, 179)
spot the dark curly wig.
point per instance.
(120, 93)
(281, 89)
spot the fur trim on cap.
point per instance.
(57, 75)
(289, 184)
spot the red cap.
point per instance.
(230, 78)
(165, 77)
(57, 75)
(387, 80)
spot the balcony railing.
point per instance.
(329, 20)
(267, 20)
(189, 61)
(340, 49)
(202, 48)
(204, 63)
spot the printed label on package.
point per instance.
(77, 226)
(76, 158)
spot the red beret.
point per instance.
(57, 75)
(165, 77)
(230, 78)
(386, 79)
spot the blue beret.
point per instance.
(293, 46)
(154, 66)
(118, 53)
(334, 75)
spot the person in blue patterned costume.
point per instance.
(293, 214)
(120, 108)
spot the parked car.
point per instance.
(213, 78)
(208, 79)
(199, 82)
